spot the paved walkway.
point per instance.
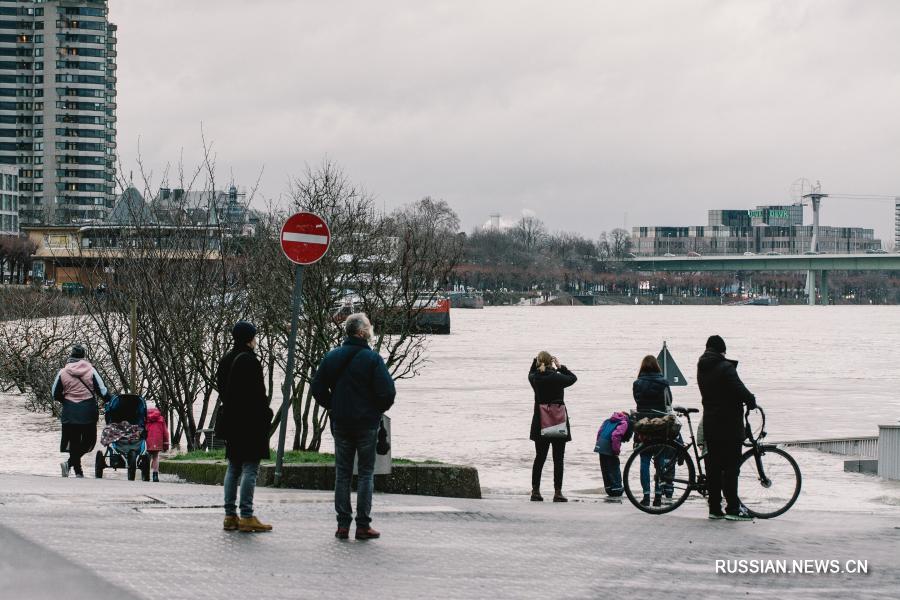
(110, 538)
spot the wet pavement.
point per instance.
(104, 538)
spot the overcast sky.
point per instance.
(578, 111)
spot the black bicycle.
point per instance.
(661, 474)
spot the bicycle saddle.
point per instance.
(685, 411)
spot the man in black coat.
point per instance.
(724, 397)
(353, 383)
(246, 420)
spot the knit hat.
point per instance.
(243, 332)
(78, 351)
(716, 344)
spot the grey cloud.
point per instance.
(580, 111)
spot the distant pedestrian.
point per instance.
(247, 418)
(354, 385)
(724, 398)
(652, 398)
(157, 439)
(614, 430)
(548, 379)
(77, 387)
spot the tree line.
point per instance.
(171, 292)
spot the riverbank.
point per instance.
(89, 537)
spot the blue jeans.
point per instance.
(246, 473)
(348, 443)
(612, 474)
(665, 470)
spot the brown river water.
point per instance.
(818, 371)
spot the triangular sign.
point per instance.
(670, 370)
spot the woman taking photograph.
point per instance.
(548, 379)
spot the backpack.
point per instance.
(604, 436)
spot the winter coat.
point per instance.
(652, 394)
(157, 432)
(549, 388)
(724, 396)
(76, 386)
(245, 406)
(353, 383)
(615, 430)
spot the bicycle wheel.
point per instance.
(773, 490)
(658, 477)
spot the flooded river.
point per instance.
(818, 372)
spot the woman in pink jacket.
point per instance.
(157, 439)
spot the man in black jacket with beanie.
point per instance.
(724, 397)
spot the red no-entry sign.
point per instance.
(305, 238)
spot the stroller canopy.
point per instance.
(126, 407)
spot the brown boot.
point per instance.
(367, 533)
(231, 523)
(252, 525)
(558, 497)
(536, 496)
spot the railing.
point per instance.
(862, 447)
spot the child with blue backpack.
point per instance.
(614, 430)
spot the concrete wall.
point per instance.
(452, 481)
(889, 451)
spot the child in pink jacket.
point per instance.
(157, 439)
(615, 430)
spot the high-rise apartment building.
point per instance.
(57, 107)
(897, 224)
(9, 201)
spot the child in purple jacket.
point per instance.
(612, 433)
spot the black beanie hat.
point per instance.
(78, 351)
(716, 344)
(243, 332)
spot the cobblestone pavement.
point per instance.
(164, 541)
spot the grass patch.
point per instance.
(290, 457)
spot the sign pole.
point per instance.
(288, 386)
(305, 238)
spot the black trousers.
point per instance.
(541, 447)
(722, 472)
(77, 440)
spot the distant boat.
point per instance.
(763, 301)
(466, 300)
(430, 313)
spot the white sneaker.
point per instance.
(64, 467)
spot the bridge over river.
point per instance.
(817, 266)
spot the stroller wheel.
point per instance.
(99, 465)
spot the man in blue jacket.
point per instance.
(353, 383)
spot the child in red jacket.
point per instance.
(157, 439)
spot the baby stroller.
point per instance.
(124, 437)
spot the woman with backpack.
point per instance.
(653, 398)
(549, 379)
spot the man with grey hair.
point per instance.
(354, 385)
